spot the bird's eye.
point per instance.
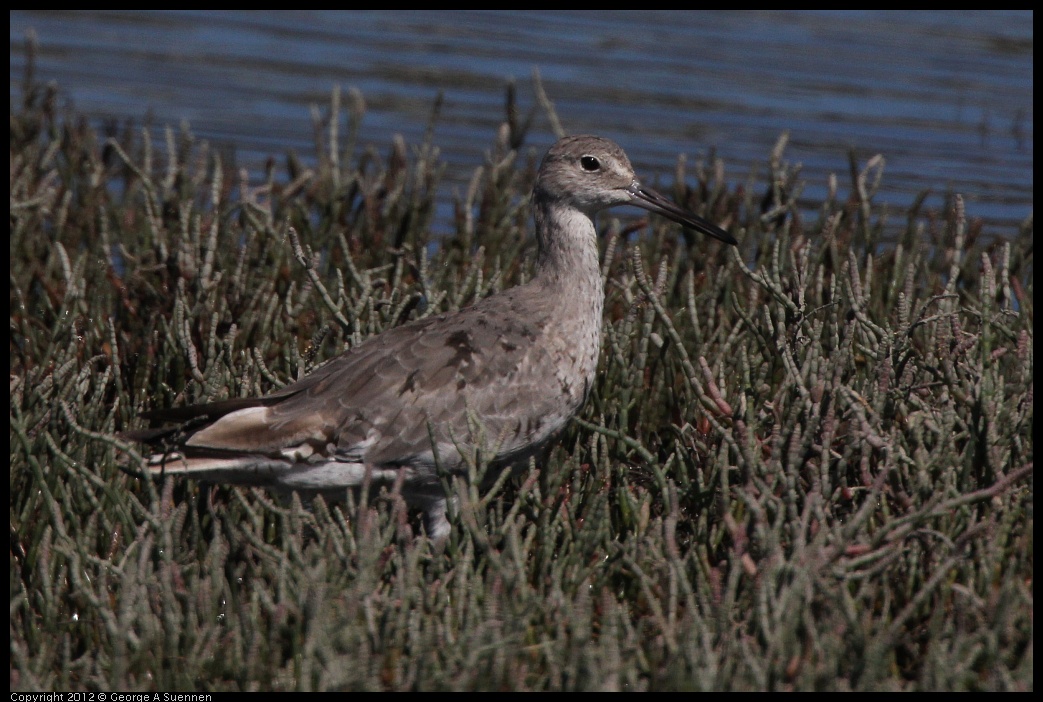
(589, 163)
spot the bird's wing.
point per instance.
(383, 400)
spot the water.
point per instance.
(946, 97)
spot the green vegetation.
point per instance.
(807, 463)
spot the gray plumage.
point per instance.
(498, 379)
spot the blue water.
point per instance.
(946, 97)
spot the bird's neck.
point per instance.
(571, 294)
(568, 253)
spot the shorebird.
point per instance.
(495, 381)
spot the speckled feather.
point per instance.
(498, 379)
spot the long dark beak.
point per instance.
(652, 201)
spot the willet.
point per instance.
(493, 382)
